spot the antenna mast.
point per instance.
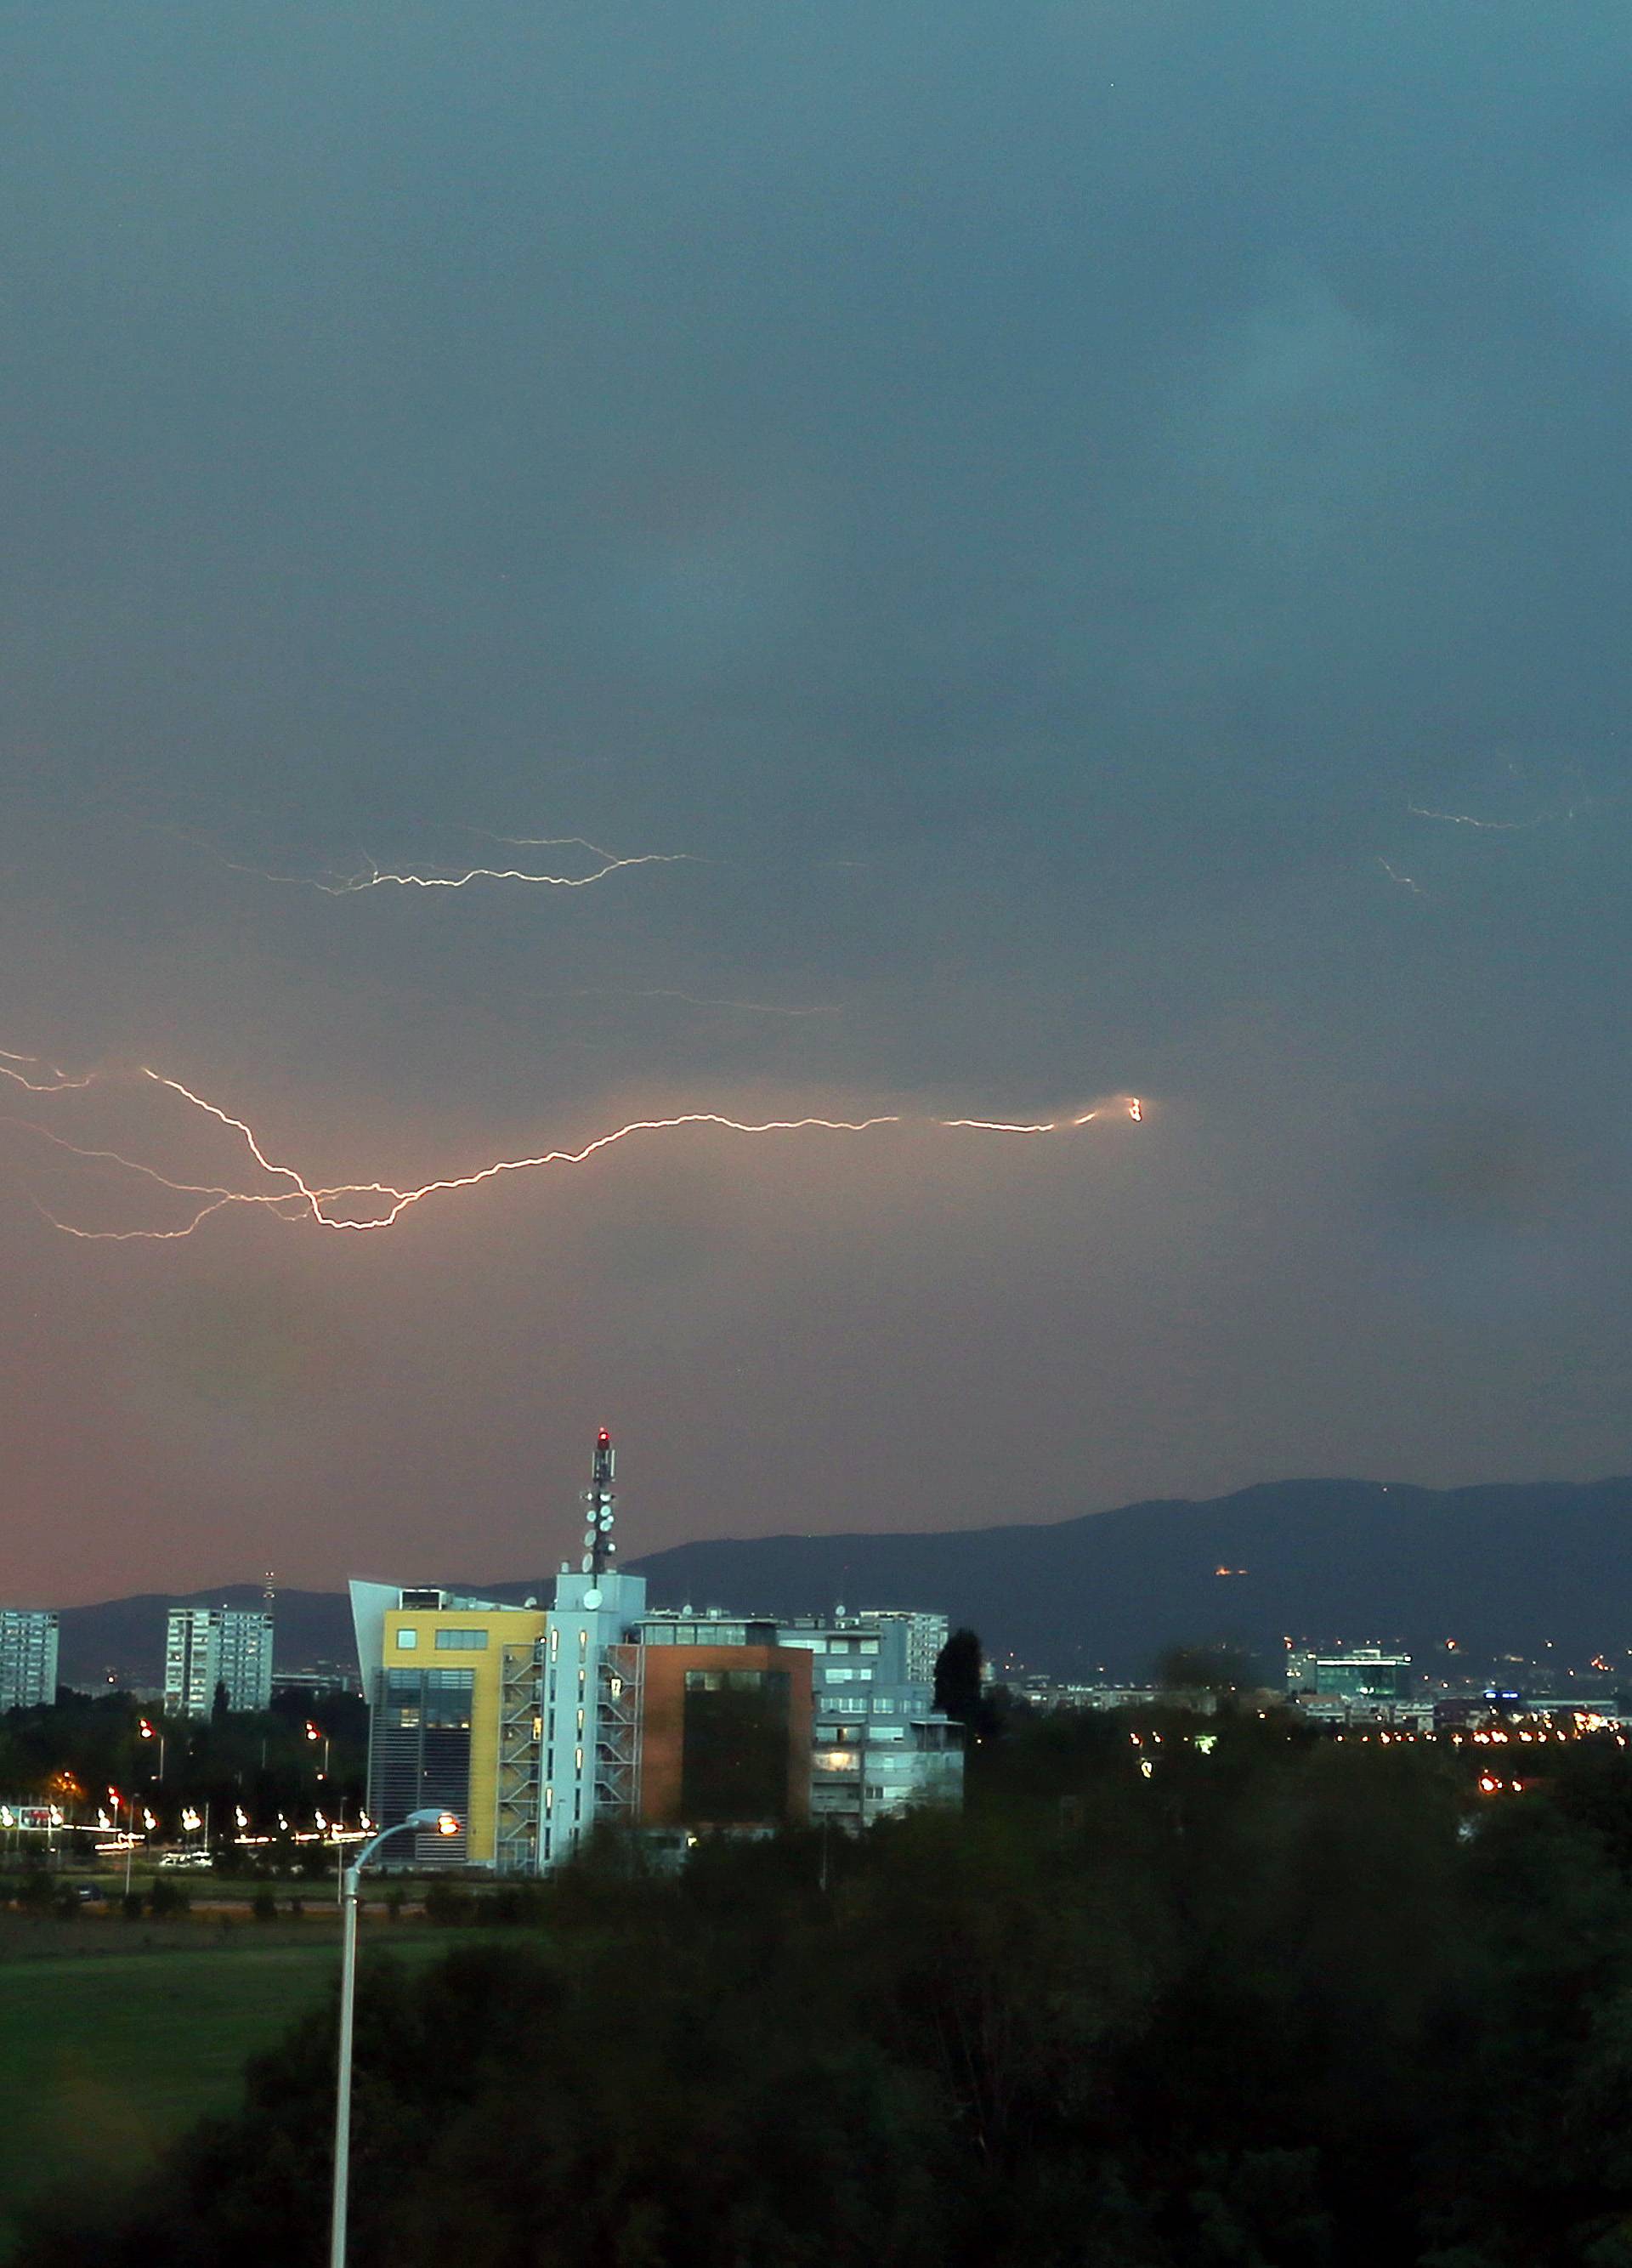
(600, 1498)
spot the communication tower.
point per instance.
(599, 1497)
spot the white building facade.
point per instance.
(879, 1746)
(210, 1646)
(28, 1644)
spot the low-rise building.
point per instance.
(534, 1724)
(879, 1747)
(1360, 1672)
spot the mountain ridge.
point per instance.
(1501, 1567)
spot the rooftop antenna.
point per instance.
(600, 1498)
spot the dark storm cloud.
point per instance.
(1031, 498)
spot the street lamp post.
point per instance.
(444, 1823)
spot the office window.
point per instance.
(407, 1640)
(461, 1641)
(869, 1646)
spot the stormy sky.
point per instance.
(1099, 532)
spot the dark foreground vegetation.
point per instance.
(1288, 2004)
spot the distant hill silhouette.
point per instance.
(1501, 1569)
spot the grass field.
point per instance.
(105, 2052)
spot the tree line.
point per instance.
(1275, 2001)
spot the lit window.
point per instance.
(407, 1640)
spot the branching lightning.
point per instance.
(55, 1082)
(371, 876)
(364, 1206)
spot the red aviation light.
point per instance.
(604, 1438)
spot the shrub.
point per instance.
(446, 1905)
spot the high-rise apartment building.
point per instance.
(28, 1642)
(210, 1646)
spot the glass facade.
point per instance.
(421, 1756)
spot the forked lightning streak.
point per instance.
(355, 1208)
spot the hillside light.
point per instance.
(440, 1823)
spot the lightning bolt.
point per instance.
(55, 1082)
(377, 878)
(374, 877)
(361, 1207)
(1484, 826)
(1404, 881)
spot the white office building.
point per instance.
(28, 1640)
(210, 1646)
(880, 1748)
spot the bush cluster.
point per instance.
(1279, 2004)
